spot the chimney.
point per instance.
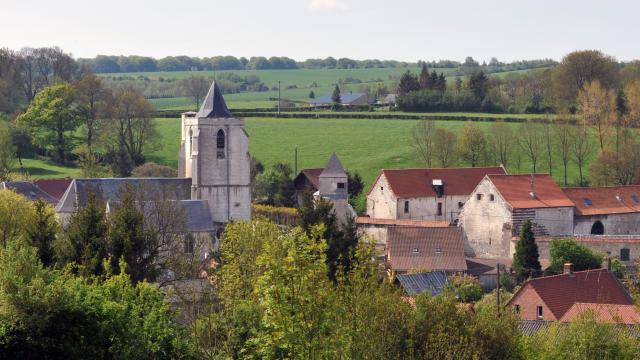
(438, 187)
(568, 269)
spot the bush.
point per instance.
(467, 289)
(569, 251)
(152, 169)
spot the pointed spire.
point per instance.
(333, 168)
(213, 105)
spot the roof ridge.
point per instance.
(563, 274)
(448, 168)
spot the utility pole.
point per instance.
(278, 98)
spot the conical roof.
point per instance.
(213, 105)
(333, 168)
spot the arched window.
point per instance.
(597, 228)
(220, 144)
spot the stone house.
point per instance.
(613, 210)
(500, 204)
(378, 229)
(424, 194)
(564, 297)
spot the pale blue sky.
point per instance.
(399, 29)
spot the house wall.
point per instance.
(607, 248)
(486, 223)
(426, 208)
(614, 224)
(529, 300)
(377, 232)
(557, 221)
(381, 202)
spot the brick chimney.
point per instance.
(568, 269)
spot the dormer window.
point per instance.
(492, 197)
(588, 201)
(220, 144)
(415, 251)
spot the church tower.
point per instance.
(214, 153)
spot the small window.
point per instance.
(517, 309)
(189, 244)
(492, 197)
(414, 251)
(439, 209)
(635, 198)
(460, 204)
(588, 201)
(220, 144)
(381, 188)
(539, 312)
(479, 196)
(406, 207)
(340, 185)
(625, 254)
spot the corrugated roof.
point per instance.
(54, 187)
(517, 191)
(411, 183)
(605, 200)
(214, 105)
(560, 292)
(608, 313)
(413, 248)
(365, 220)
(28, 190)
(333, 168)
(433, 282)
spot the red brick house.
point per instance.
(563, 297)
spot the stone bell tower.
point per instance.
(214, 153)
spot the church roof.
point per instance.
(333, 168)
(213, 105)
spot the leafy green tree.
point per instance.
(85, 239)
(275, 186)
(569, 251)
(130, 241)
(53, 119)
(355, 184)
(43, 232)
(335, 97)
(408, 83)
(466, 289)
(424, 78)
(7, 151)
(471, 143)
(16, 217)
(478, 83)
(312, 95)
(525, 259)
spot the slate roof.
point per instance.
(333, 168)
(214, 105)
(426, 248)
(412, 183)
(365, 220)
(311, 175)
(516, 190)
(109, 190)
(605, 200)
(54, 187)
(195, 213)
(608, 313)
(561, 292)
(345, 98)
(433, 282)
(28, 190)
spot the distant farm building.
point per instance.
(346, 99)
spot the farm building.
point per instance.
(378, 229)
(564, 297)
(424, 194)
(346, 99)
(29, 190)
(500, 204)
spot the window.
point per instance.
(492, 197)
(539, 312)
(625, 254)
(340, 185)
(189, 244)
(587, 201)
(381, 188)
(220, 144)
(460, 204)
(414, 251)
(439, 209)
(597, 228)
(479, 196)
(406, 207)
(517, 309)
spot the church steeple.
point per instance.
(213, 105)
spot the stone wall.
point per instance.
(381, 202)
(426, 208)
(614, 224)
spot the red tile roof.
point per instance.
(411, 183)
(365, 220)
(54, 187)
(609, 313)
(605, 200)
(311, 175)
(517, 191)
(561, 292)
(426, 248)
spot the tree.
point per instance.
(581, 148)
(53, 118)
(91, 99)
(422, 135)
(613, 168)
(568, 251)
(530, 141)
(632, 93)
(196, 87)
(129, 241)
(597, 106)
(471, 143)
(563, 133)
(312, 95)
(335, 97)
(43, 231)
(525, 259)
(16, 217)
(85, 239)
(548, 141)
(444, 147)
(275, 186)
(425, 79)
(355, 185)
(502, 141)
(408, 83)
(7, 152)
(478, 83)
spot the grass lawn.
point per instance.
(42, 169)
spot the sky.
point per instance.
(408, 30)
